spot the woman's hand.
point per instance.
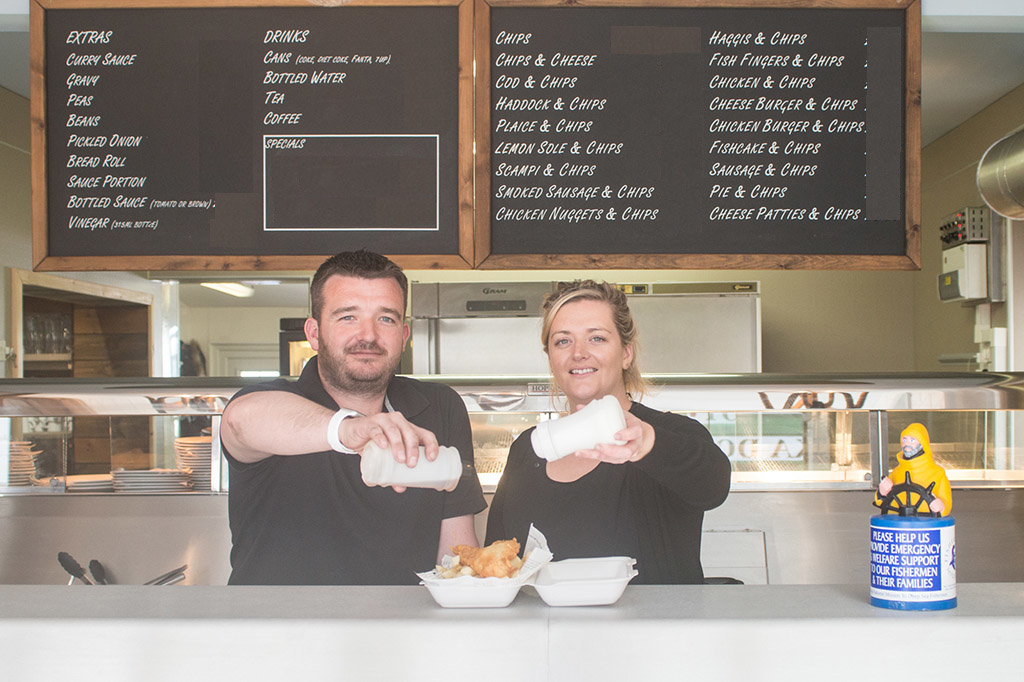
(639, 439)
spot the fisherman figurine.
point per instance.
(917, 486)
(913, 539)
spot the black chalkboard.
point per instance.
(735, 137)
(256, 137)
(256, 131)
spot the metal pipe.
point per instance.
(1000, 176)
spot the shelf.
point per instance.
(47, 364)
(48, 358)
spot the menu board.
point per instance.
(237, 134)
(675, 136)
(476, 133)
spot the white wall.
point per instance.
(236, 334)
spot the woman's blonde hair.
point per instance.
(625, 325)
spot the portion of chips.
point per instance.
(458, 569)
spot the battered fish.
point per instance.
(498, 560)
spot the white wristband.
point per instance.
(334, 426)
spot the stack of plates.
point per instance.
(22, 462)
(152, 481)
(193, 452)
(90, 483)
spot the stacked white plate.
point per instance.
(152, 481)
(193, 452)
(90, 483)
(22, 462)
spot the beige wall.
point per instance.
(15, 205)
(813, 321)
(948, 184)
(16, 235)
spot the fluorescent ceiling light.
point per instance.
(232, 288)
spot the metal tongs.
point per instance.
(170, 577)
(99, 574)
(73, 568)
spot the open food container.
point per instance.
(585, 582)
(475, 592)
(488, 593)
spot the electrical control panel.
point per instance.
(968, 225)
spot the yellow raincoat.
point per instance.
(923, 470)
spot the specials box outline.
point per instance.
(437, 183)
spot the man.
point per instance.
(298, 508)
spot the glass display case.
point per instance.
(101, 436)
(780, 432)
(804, 432)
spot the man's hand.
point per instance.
(390, 431)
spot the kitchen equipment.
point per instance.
(170, 577)
(73, 568)
(99, 574)
(151, 480)
(194, 454)
(294, 349)
(477, 327)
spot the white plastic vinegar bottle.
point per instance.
(378, 467)
(596, 423)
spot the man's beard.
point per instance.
(335, 373)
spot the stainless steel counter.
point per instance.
(706, 633)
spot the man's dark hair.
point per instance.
(362, 263)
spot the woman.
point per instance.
(644, 499)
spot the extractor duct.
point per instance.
(1001, 176)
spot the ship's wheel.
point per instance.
(907, 498)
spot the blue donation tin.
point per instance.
(913, 562)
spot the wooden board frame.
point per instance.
(474, 170)
(911, 260)
(42, 260)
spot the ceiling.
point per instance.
(972, 53)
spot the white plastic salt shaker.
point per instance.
(596, 423)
